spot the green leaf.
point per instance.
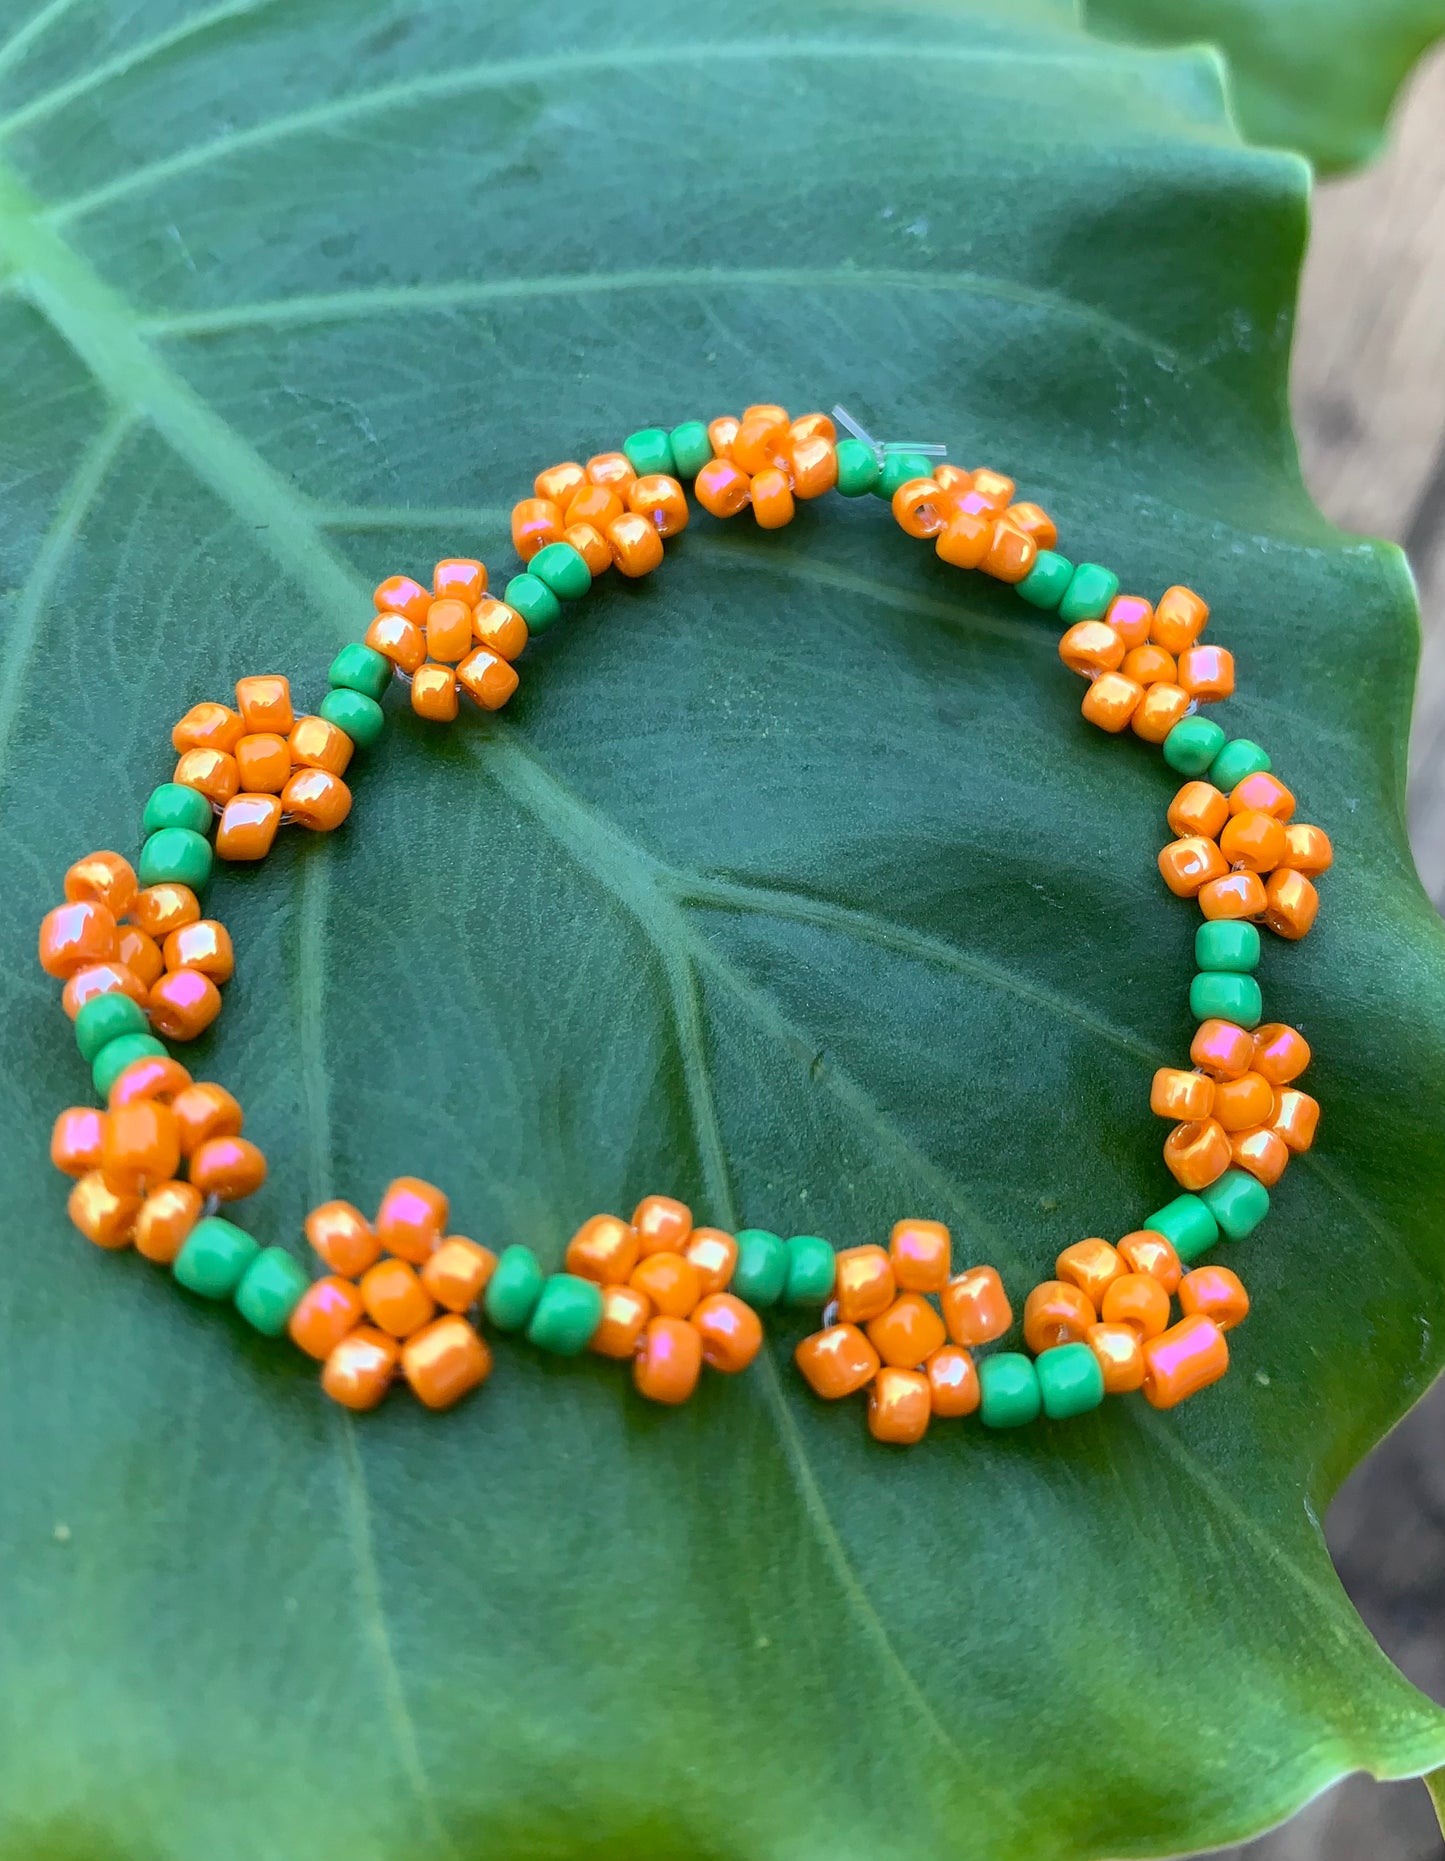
(791, 882)
(1320, 76)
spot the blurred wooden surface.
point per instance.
(1369, 398)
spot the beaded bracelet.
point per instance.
(401, 1297)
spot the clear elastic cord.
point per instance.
(880, 447)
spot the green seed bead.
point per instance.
(270, 1290)
(1238, 1202)
(1089, 593)
(898, 468)
(214, 1260)
(858, 468)
(1047, 581)
(1217, 994)
(175, 856)
(362, 718)
(1235, 761)
(1009, 1393)
(515, 1286)
(1187, 1223)
(761, 1274)
(534, 601)
(359, 667)
(105, 1018)
(116, 1055)
(812, 1268)
(650, 450)
(691, 448)
(1071, 1381)
(1192, 745)
(563, 569)
(1227, 943)
(566, 1316)
(175, 805)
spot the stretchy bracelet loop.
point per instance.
(400, 1296)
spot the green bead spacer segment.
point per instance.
(1090, 590)
(1047, 581)
(362, 718)
(534, 601)
(650, 450)
(270, 1290)
(761, 1274)
(105, 1018)
(1217, 994)
(858, 468)
(1227, 943)
(897, 469)
(563, 569)
(1235, 761)
(812, 1269)
(175, 856)
(214, 1260)
(1192, 745)
(566, 1316)
(1238, 1202)
(691, 448)
(1009, 1393)
(116, 1055)
(360, 667)
(1071, 1381)
(514, 1288)
(1187, 1223)
(175, 805)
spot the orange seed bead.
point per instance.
(1158, 711)
(668, 1361)
(412, 1218)
(263, 763)
(625, 1312)
(964, 540)
(434, 693)
(863, 1285)
(1223, 1049)
(75, 936)
(636, 547)
(1264, 792)
(487, 678)
(714, 1255)
(1035, 522)
(103, 1215)
(993, 487)
(264, 702)
(1111, 701)
(613, 469)
(953, 1387)
(458, 1272)
(326, 1312)
(605, 1249)
(591, 545)
(670, 1281)
(164, 1220)
(758, 443)
(1091, 1265)
(248, 826)
(536, 522)
(1011, 554)
(205, 945)
(76, 1138)
(772, 498)
(1179, 619)
(160, 909)
(1252, 840)
(731, 1332)
(316, 799)
(899, 1406)
(1055, 1313)
(1130, 615)
(558, 483)
(1145, 1251)
(1138, 1300)
(395, 1298)
(154, 1076)
(920, 1252)
(1291, 903)
(595, 505)
(1181, 1096)
(813, 426)
(342, 1236)
(811, 461)
(212, 773)
(1262, 1152)
(662, 1223)
(208, 727)
(101, 979)
(449, 627)
(204, 1110)
(400, 640)
(918, 507)
(907, 1333)
(975, 1306)
(463, 578)
(359, 1370)
(1206, 673)
(138, 952)
(1120, 1353)
(105, 879)
(1090, 647)
(1215, 1292)
(1183, 1360)
(228, 1167)
(1238, 895)
(1199, 808)
(316, 743)
(141, 1148)
(1197, 1153)
(721, 433)
(497, 625)
(1242, 1103)
(183, 1004)
(721, 488)
(1188, 865)
(1279, 1052)
(445, 1361)
(1307, 849)
(1149, 665)
(837, 1361)
(399, 594)
(1295, 1118)
(661, 500)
